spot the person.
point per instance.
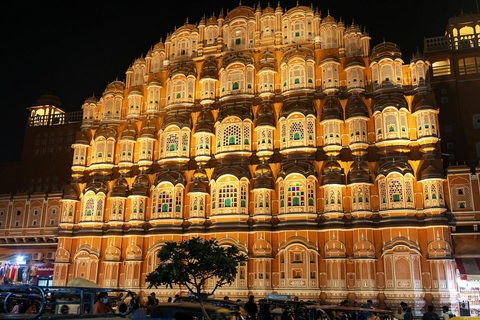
(64, 309)
(251, 307)
(101, 305)
(408, 314)
(226, 298)
(399, 313)
(404, 306)
(364, 314)
(338, 315)
(170, 300)
(446, 315)
(122, 308)
(370, 304)
(32, 308)
(177, 298)
(430, 315)
(155, 300)
(138, 313)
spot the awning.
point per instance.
(469, 268)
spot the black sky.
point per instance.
(73, 49)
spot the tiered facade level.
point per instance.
(276, 131)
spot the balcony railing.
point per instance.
(55, 119)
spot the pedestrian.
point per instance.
(251, 307)
(447, 315)
(404, 306)
(170, 300)
(408, 314)
(138, 312)
(399, 314)
(370, 304)
(101, 305)
(430, 315)
(177, 298)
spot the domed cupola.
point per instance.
(80, 148)
(353, 41)
(357, 116)
(332, 188)
(331, 122)
(120, 189)
(204, 134)
(354, 68)
(127, 146)
(93, 203)
(425, 113)
(168, 199)
(89, 112)
(359, 173)
(174, 137)
(153, 97)
(181, 86)
(264, 128)
(330, 73)
(138, 201)
(267, 75)
(229, 187)
(147, 145)
(262, 193)
(208, 80)
(297, 122)
(234, 130)
(237, 77)
(390, 113)
(432, 179)
(419, 66)
(140, 186)
(197, 191)
(386, 64)
(296, 184)
(70, 198)
(395, 181)
(359, 182)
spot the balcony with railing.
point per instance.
(451, 43)
(55, 119)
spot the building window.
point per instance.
(441, 68)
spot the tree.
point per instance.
(191, 263)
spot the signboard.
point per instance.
(42, 269)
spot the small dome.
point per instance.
(268, 9)
(302, 106)
(332, 109)
(332, 173)
(430, 172)
(70, 192)
(155, 82)
(129, 133)
(180, 119)
(205, 121)
(82, 139)
(330, 58)
(120, 189)
(243, 110)
(96, 186)
(199, 183)
(140, 186)
(359, 173)
(265, 116)
(422, 102)
(328, 19)
(355, 61)
(149, 130)
(396, 100)
(304, 168)
(393, 165)
(90, 100)
(356, 107)
(167, 175)
(386, 50)
(49, 99)
(263, 177)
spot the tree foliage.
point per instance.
(191, 263)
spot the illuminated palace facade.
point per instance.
(279, 132)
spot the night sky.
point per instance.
(73, 49)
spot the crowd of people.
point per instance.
(142, 306)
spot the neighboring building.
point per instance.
(31, 191)
(276, 131)
(455, 60)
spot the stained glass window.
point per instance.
(172, 142)
(89, 206)
(408, 190)
(295, 194)
(296, 130)
(99, 207)
(165, 201)
(395, 191)
(227, 196)
(310, 195)
(310, 130)
(178, 201)
(243, 196)
(184, 141)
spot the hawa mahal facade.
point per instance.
(283, 133)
